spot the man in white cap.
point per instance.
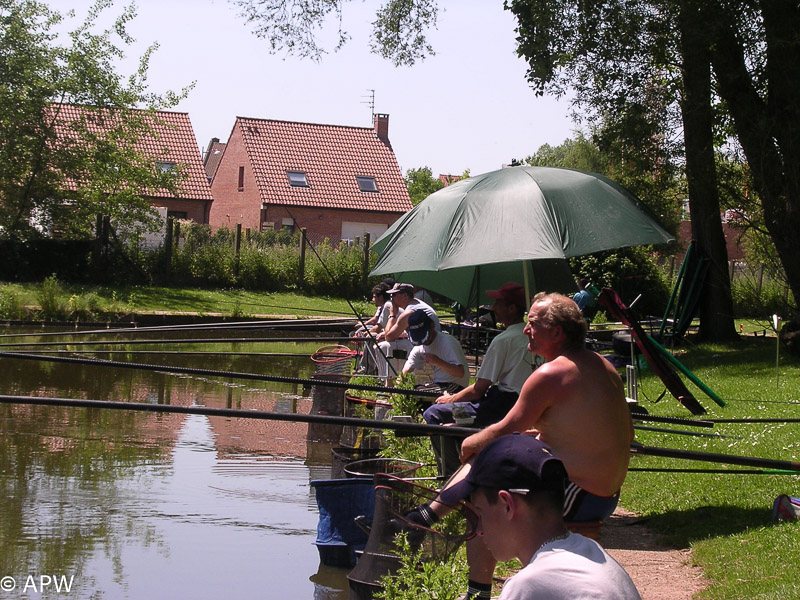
(394, 337)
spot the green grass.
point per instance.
(230, 302)
(726, 518)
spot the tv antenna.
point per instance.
(370, 100)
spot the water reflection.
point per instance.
(136, 505)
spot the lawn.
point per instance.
(726, 518)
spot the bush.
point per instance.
(11, 306)
(50, 298)
(630, 272)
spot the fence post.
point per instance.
(301, 268)
(168, 251)
(365, 267)
(237, 246)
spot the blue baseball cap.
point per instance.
(419, 327)
(517, 463)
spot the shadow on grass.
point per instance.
(678, 529)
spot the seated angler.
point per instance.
(506, 366)
(438, 349)
(575, 404)
(394, 337)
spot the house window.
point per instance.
(165, 166)
(177, 214)
(241, 179)
(287, 224)
(367, 184)
(297, 178)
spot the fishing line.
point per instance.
(350, 304)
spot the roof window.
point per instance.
(367, 184)
(297, 178)
(164, 166)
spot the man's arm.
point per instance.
(473, 392)
(536, 396)
(396, 325)
(456, 370)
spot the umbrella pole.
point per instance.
(527, 283)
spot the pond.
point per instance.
(115, 504)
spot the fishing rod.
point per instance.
(218, 373)
(759, 420)
(716, 471)
(182, 341)
(179, 352)
(268, 324)
(399, 426)
(676, 420)
(680, 432)
(744, 461)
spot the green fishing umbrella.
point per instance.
(515, 224)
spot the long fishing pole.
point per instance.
(759, 420)
(680, 432)
(744, 461)
(409, 428)
(400, 426)
(676, 420)
(268, 324)
(217, 373)
(716, 471)
(182, 341)
(178, 352)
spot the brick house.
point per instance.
(172, 144)
(336, 181)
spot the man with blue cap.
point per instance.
(516, 485)
(436, 348)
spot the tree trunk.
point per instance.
(769, 131)
(716, 306)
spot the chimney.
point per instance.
(382, 126)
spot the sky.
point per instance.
(467, 107)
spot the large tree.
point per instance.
(642, 70)
(651, 69)
(67, 171)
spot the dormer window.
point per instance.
(367, 184)
(297, 178)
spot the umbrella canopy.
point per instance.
(509, 225)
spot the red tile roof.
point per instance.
(174, 142)
(213, 156)
(332, 156)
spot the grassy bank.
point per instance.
(726, 518)
(54, 300)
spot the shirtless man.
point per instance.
(576, 404)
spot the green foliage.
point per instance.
(629, 271)
(417, 579)
(11, 305)
(51, 299)
(421, 183)
(49, 156)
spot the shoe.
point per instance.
(413, 523)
